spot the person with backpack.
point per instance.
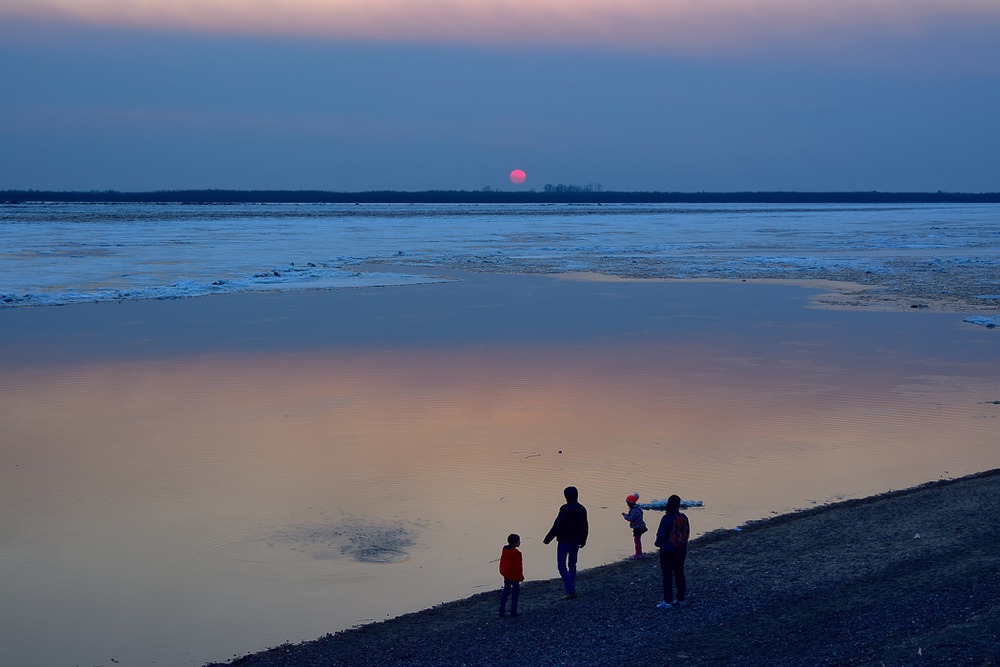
(671, 540)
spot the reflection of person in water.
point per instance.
(570, 531)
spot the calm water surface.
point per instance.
(184, 481)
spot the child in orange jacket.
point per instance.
(512, 570)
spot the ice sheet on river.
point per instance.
(899, 255)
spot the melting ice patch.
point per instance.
(310, 277)
(655, 504)
(987, 322)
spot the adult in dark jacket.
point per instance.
(672, 539)
(570, 531)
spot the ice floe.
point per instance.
(655, 504)
(987, 322)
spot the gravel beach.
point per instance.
(909, 577)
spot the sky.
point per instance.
(635, 95)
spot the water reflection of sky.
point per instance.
(214, 466)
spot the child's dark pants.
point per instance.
(672, 567)
(512, 588)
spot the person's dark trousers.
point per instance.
(513, 588)
(566, 553)
(672, 567)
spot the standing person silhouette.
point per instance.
(570, 531)
(512, 571)
(635, 522)
(672, 539)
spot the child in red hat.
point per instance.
(635, 522)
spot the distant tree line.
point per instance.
(591, 187)
(551, 194)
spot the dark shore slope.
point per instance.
(905, 578)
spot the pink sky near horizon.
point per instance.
(684, 26)
(718, 95)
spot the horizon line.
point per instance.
(563, 194)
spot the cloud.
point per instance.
(672, 26)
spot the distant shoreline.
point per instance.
(557, 195)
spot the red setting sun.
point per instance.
(518, 176)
